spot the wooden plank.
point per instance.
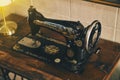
(105, 2)
(35, 69)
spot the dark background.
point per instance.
(113, 1)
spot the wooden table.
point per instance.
(34, 69)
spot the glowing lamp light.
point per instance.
(6, 27)
(5, 2)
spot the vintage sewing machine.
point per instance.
(66, 44)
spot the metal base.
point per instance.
(8, 29)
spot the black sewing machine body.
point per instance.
(67, 44)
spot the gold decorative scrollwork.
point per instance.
(51, 49)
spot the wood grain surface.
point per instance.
(35, 69)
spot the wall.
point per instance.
(76, 10)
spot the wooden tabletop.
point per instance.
(35, 69)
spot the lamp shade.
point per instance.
(5, 2)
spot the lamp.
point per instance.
(6, 27)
